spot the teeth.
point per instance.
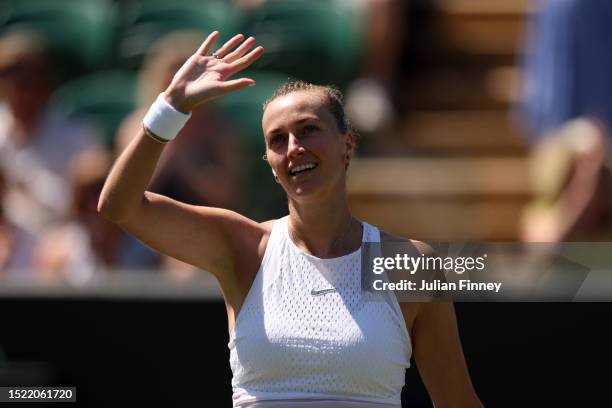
(302, 167)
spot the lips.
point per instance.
(302, 168)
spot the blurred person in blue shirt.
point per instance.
(568, 64)
(567, 107)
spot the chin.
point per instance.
(309, 192)
(312, 188)
(303, 191)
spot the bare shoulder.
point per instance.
(266, 230)
(248, 264)
(410, 310)
(248, 233)
(257, 238)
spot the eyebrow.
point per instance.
(297, 122)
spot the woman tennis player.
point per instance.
(300, 333)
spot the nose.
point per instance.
(294, 147)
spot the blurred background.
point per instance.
(479, 120)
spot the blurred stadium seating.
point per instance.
(458, 166)
(101, 45)
(104, 97)
(81, 31)
(141, 22)
(318, 41)
(455, 109)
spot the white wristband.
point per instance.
(163, 120)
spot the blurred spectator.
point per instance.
(35, 143)
(571, 184)
(370, 98)
(74, 250)
(16, 244)
(568, 64)
(203, 164)
(567, 76)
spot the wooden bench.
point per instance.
(441, 199)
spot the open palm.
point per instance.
(203, 77)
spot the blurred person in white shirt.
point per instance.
(36, 143)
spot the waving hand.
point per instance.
(205, 77)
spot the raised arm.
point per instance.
(206, 237)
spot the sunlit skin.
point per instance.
(300, 129)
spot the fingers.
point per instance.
(240, 51)
(245, 61)
(236, 84)
(208, 42)
(234, 41)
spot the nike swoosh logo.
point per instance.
(321, 292)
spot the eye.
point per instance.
(310, 128)
(276, 139)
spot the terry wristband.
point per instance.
(163, 120)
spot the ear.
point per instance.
(265, 158)
(349, 143)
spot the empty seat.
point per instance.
(81, 32)
(104, 97)
(317, 41)
(145, 21)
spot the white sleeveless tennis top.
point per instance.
(308, 336)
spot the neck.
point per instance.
(327, 229)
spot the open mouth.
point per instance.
(302, 168)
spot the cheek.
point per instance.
(274, 161)
(323, 144)
(333, 151)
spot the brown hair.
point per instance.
(333, 100)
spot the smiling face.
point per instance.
(305, 148)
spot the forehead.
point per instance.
(286, 109)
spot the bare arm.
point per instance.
(202, 236)
(439, 357)
(437, 347)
